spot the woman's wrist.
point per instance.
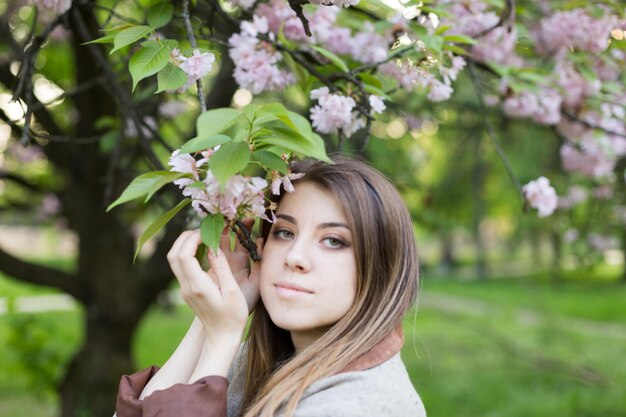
(217, 356)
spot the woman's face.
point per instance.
(308, 270)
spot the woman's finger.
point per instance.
(173, 254)
(192, 276)
(219, 265)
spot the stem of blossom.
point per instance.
(192, 40)
(246, 240)
(491, 132)
(296, 5)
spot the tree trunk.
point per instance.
(90, 384)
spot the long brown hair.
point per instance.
(387, 275)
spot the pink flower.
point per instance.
(54, 6)
(540, 195)
(198, 65)
(439, 91)
(449, 74)
(285, 181)
(333, 113)
(377, 104)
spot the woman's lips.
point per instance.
(287, 289)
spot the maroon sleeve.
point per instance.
(128, 403)
(205, 397)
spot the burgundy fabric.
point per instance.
(128, 403)
(382, 351)
(207, 396)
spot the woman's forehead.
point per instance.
(311, 202)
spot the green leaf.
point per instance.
(211, 231)
(146, 62)
(203, 143)
(293, 142)
(158, 224)
(160, 14)
(370, 79)
(139, 187)
(164, 180)
(339, 63)
(170, 78)
(128, 36)
(460, 39)
(270, 160)
(442, 29)
(456, 49)
(216, 121)
(108, 38)
(170, 43)
(297, 122)
(432, 42)
(376, 91)
(229, 159)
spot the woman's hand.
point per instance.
(214, 296)
(239, 261)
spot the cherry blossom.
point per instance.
(284, 181)
(54, 6)
(334, 112)
(539, 194)
(377, 104)
(198, 65)
(256, 61)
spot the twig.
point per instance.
(296, 5)
(491, 133)
(192, 40)
(591, 125)
(246, 240)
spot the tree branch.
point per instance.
(40, 275)
(492, 134)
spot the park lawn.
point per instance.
(601, 300)
(462, 365)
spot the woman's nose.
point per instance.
(297, 257)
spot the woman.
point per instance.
(338, 274)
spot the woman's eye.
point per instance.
(282, 234)
(333, 242)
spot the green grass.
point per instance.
(461, 364)
(594, 300)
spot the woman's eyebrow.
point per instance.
(324, 225)
(332, 224)
(287, 217)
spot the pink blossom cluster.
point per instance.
(541, 195)
(409, 77)
(366, 46)
(576, 29)
(334, 113)
(56, 7)
(498, 46)
(469, 17)
(575, 88)
(240, 196)
(591, 156)
(543, 107)
(256, 61)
